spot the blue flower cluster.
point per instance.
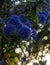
(47, 2)
(43, 15)
(24, 33)
(25, 21)
(9, 30)
(34, 34)
(20, 25)
(14, 19)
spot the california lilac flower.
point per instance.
(15, 21)
(11, 12)
(35, 63)
(47, 2)
(34, 34)
(42, 17)
(9, 30)
(21, 16)
(25, 21)
(23, 59)
(24, 33)
(44, 12)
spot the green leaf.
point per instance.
(33, 14)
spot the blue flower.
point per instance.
(23, 59)
(43, 17)
(47, 2)
(11, 12)
(45, 13)
(24, 33)
(25, 21)
(34, 34)
(9, 30)
(35, 63)
(14, 19)
(21, 16)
